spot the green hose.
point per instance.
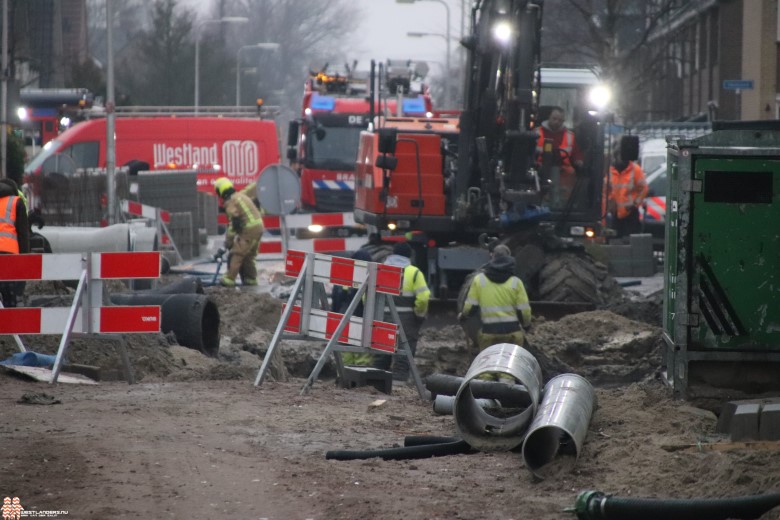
(595, 505)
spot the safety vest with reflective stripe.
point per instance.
(566, 144)
(9, 240)
(415, 294)
(629, 188)
(499, 304)
(240, 206)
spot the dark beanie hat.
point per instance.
(402, 249)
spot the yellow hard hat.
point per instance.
(221, 185)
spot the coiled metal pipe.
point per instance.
(490, 432)
(561, 423)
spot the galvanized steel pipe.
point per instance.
(115, 238)
(482, 430)
(561, 423)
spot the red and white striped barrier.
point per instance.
(104, 320)
(345, 272)
(304, 220)
(137, 209)
(303, 314)
(160, 216)
(87, 315)
(272, 247)
(323, 324)
(655, 208)
(70, 266)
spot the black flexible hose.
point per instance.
(598, 506)
(510, 396)
(423, 440)
(405, 453)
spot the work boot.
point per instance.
(249, 281)
(225, 281)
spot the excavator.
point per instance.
(457, 187)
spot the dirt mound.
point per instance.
(602, 346)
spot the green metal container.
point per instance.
(722, 268)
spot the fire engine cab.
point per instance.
(323, 143)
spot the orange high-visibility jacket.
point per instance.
(628, 188)
(562, 140)
(9, 241)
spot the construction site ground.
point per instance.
(194, 438)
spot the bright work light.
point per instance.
(600, 96)
(502, 32)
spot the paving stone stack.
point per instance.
(181, 228)
(175, 191)
(208, 205)
(632, 259)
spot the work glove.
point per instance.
(219, 254)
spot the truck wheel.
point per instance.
(569, 278)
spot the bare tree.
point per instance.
(156, 47)
(159, 68)
(611, 36)
(310, 33)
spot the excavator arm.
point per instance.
(496, 148)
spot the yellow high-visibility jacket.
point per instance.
(499, 304)
(415, 294)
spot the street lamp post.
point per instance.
(447, 70)
(447, 81)
(268, 46)
(198, 32)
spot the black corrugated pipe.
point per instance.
(419, 451)
(509, 395)
(193, 318)
(594, 505)
(185, 285)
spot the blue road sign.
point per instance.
(738, 84)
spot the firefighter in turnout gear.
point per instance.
(500, 298)
(14, 235)
(243, 235)
(412, 307)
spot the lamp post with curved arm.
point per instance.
(447, 69)
(447, 99)
(198, 32)
(271, 46)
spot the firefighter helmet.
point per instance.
(222, 185)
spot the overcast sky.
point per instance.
(382, 34)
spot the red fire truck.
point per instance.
(323, 144)
(45, 112)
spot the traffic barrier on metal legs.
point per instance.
(274, 247)
(305, 314)
(87, 314)
(160, 217)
